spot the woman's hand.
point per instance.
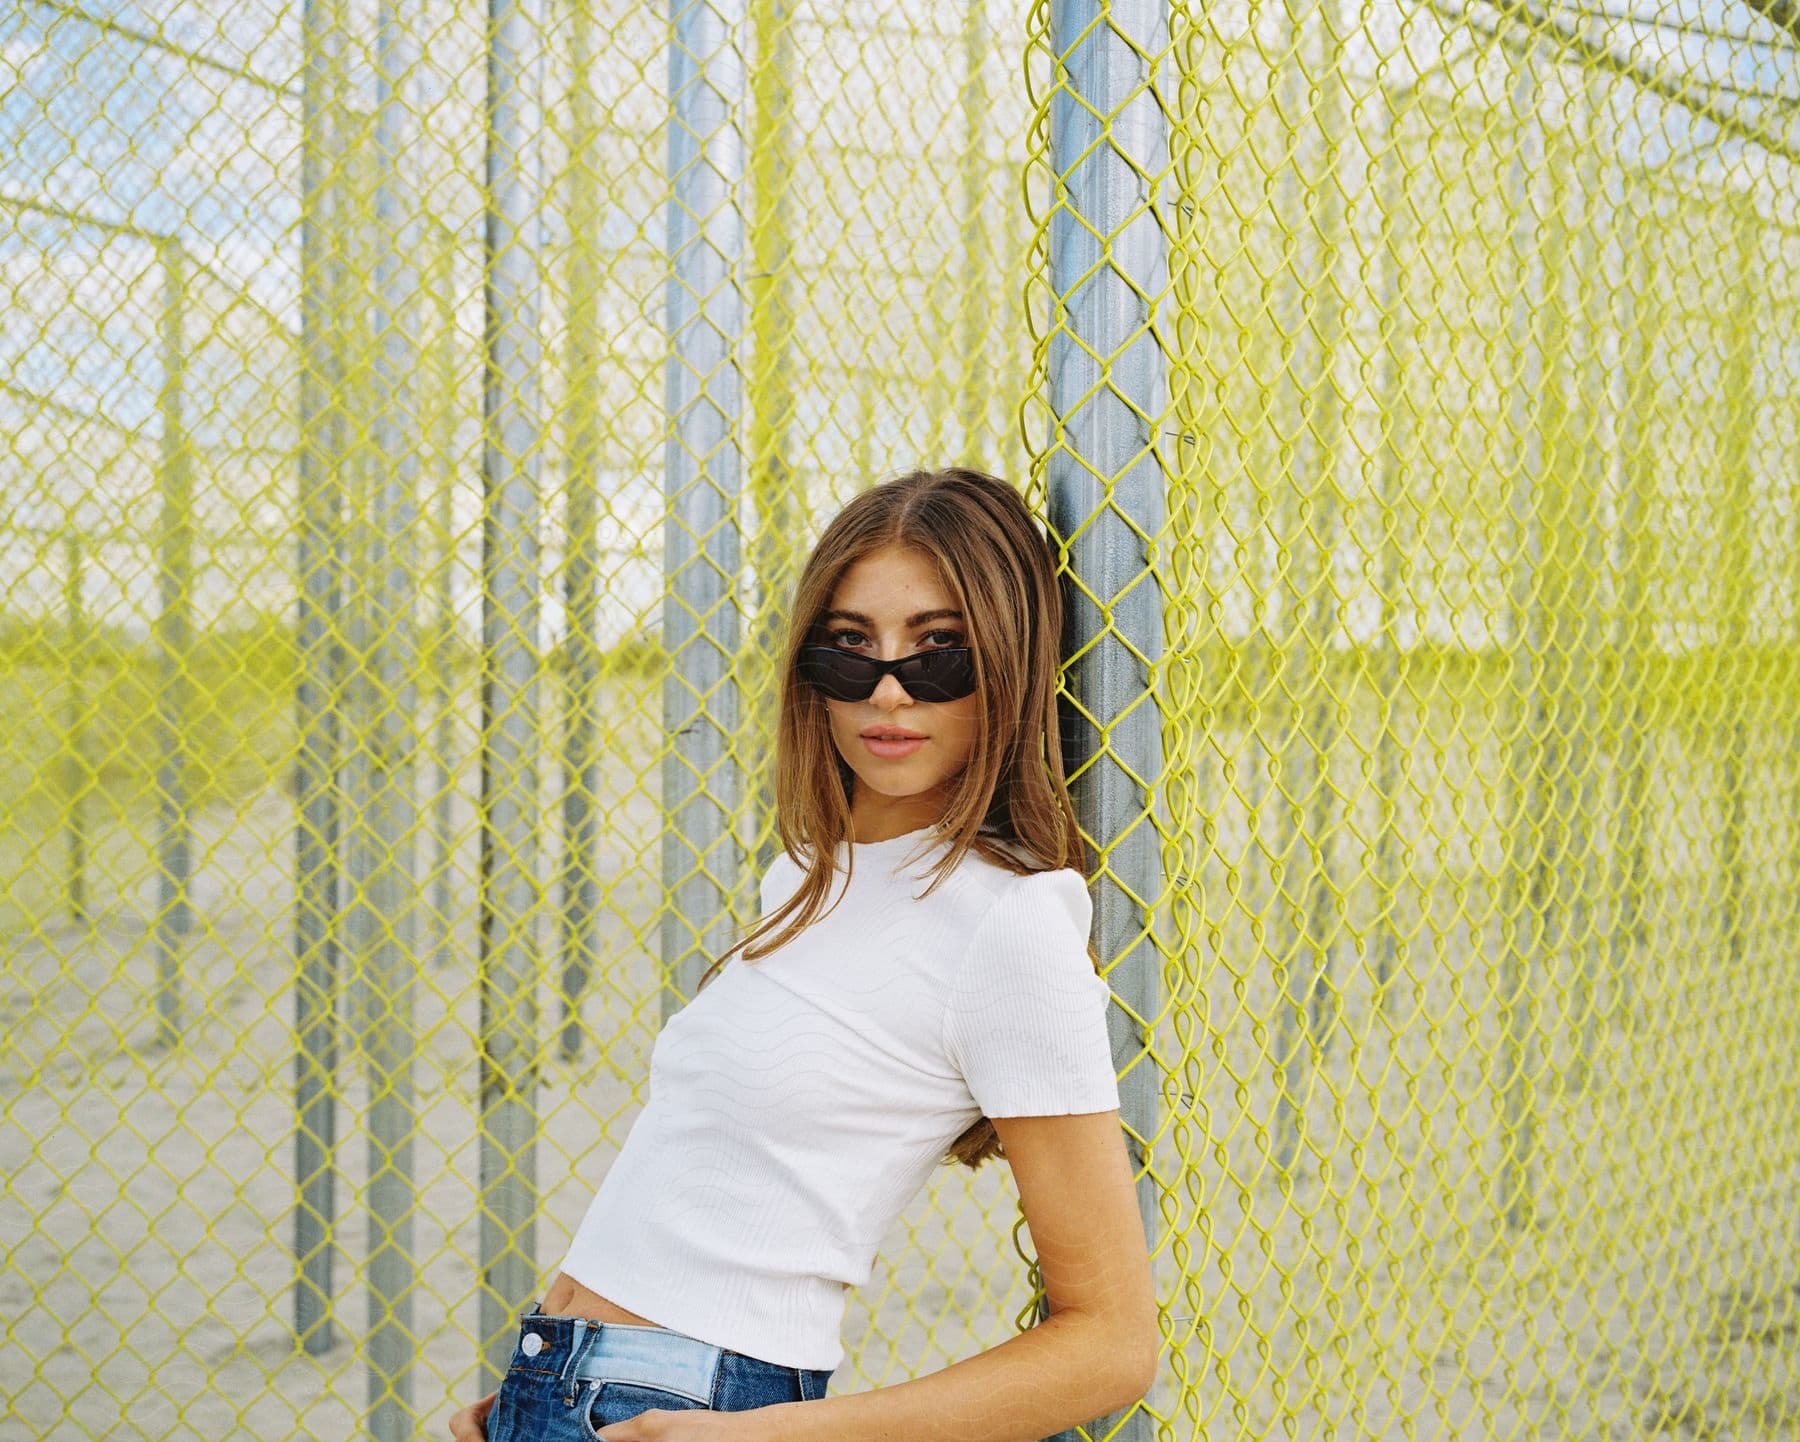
(470, 1424)
(655, 1425)
(683, 1425)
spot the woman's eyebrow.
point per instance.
(918, 620)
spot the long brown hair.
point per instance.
(992, 556)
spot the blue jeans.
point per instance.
(570, 1376)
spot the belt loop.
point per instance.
(569, 1367)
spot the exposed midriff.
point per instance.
(568, 1298)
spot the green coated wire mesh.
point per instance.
(414, 418)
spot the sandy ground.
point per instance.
(148, 1283)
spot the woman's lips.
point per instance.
(893, 750)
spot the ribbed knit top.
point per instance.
(801, 1100)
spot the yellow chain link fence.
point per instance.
(414, 417)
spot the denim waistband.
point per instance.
(583, 1350)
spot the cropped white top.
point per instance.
(799, 1101)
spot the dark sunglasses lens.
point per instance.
(841, 677)
(944, 675)
(938, 675)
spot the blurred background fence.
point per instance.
(414, 416)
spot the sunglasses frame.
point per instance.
(884, 668)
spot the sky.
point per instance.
(125, 133)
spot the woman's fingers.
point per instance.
(470, 1424)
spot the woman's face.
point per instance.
(888, 605)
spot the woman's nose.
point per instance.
(890, 690)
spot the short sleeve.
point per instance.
(1025, 1017)
(779, 878)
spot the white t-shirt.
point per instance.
(800, 1101)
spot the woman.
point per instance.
(805, 1094)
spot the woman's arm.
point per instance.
(1097, 1351)
(1068, 1369)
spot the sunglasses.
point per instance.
(947, 674)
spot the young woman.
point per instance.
(870, 1031)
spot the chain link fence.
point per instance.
(415, 416)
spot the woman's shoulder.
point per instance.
(1051, 898)
(1029, 860)
(1037, 885)
(1014, 870)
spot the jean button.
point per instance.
(532, 1345)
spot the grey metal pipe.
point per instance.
(1397, 346)
(780, 520)
(1584, 539)
(580, 882)
(1307, 804)
(441, 425)
(1523, 873)
(975, 316)
(77, 769)
(510, 807)
(702, 473)
(360, 627)
(316, 720)
(1639, 343)
(1108, 388)
(174, 645)
(387, 952)
(1737, 428)
(1545, 783)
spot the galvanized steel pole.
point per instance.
(1737, 428)
(77, 770)
(1399, 344)
(511, 816)
(442, 423)
(779, 515)
(1542, 823)
(702, 478)
(1640, 341)
(316, 719)
(1108, 389)
(1583, 529)
(174, 644)
(1523, 900)
(1307, 806)
(387, 953)
(974, 314)
(579, 884)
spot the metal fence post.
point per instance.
(387, 954)
(779, 514)
(1523, 820)
(1399, 345)
(702, 480)
(174, 650)
(579, 885)
(1584, 541)
(1108, 392)
(316, 719)
(1306, 804)
(1737, 427)
(440, 423)
(1544, 781)
(1639, 319)
(973, 315)
(77, 769)
(510, 806)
